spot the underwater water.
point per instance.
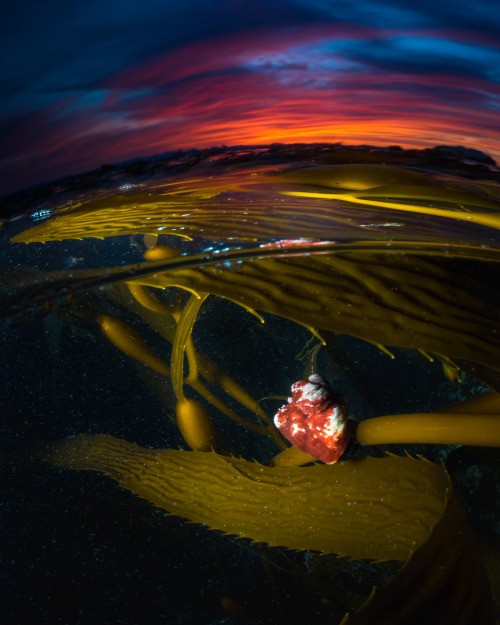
(220, 278)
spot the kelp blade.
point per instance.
(378, 508)
(413, 258)
(443, 583)
(443, 304)
(382, 509)
(252, 202)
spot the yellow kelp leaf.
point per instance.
(444, 582)
(185, 325)
(137, 213)
(437, 195)
(491, 219)
(355, 176)
(382, 508)
(444, 305)
(377, 186)
(319, 202)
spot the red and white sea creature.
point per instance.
(315, 420)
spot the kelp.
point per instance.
(377, 508)
(446, 306)
(158, 316)
(412, 277)
(358, 509)
(391, 256)
(249, 205)
(443, 583)
(442, 302)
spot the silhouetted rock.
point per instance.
(458, 152)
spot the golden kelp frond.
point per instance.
(159, 316)
(377, 186)
(474, 421)
(404, 201)
(440, 197)
(228, 217)
(444, 305)
(441, 428)
(240, 218)
(121, 214)
(380, 509)
(303, 203)
(182, 340)
(355, 176)
(385, 509)
(444, 582)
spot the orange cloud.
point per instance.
(305, 84)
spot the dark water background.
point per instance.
(79, 549)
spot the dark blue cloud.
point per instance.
(55, 47)
(483, 15)
(424, 54)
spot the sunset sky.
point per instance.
(102, 81)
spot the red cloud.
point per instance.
(253, 88)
